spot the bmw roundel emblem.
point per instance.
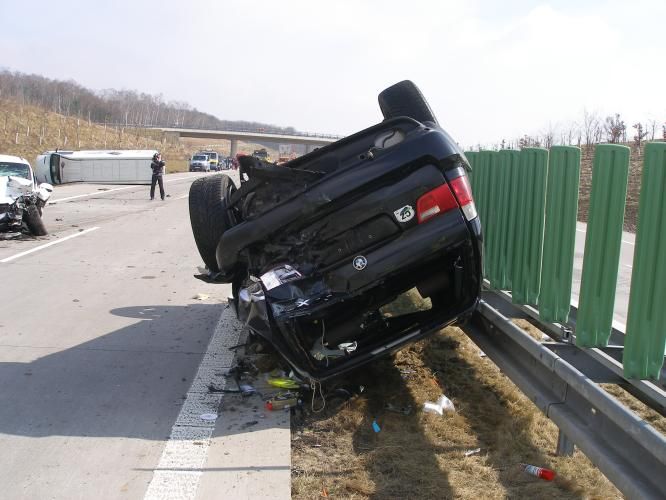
(360, 262)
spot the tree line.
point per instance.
(122, 107)
(592, 129)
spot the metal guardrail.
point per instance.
(562, 380)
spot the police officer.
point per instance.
(158, 171)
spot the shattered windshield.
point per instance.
(17, 169)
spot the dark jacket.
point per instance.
(157, 166)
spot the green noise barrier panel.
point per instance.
(559, 239)
(530, 200)
(602, 245)
(503, 218)
(487, 163)
(646, 321)
(471, 158)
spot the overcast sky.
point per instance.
(490, 70)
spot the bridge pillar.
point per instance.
(233, 148)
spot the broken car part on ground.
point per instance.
(351, 251)
(21, 199)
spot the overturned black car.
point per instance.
(353, 250)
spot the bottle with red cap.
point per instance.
(540, 472)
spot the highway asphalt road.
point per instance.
(100, 339)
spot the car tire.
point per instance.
(405, 99)
(209, 215)
(34, 221)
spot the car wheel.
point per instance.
(405, 99)
(209, 215)
(34, 221)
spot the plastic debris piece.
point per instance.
(404, 410)
(482, 354)
(208, 416)
(375, 426)
(201, 296)
(469, 453)
(443, 404)
(283, 383)
(247, 389)
(540, 472)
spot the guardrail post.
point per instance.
(559, 240)
(530, 200)
(565, 446)
(602, 245)
(646, 320)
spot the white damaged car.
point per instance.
(21, 198)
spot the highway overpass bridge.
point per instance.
(311, 141)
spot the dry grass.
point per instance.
(422, 455)
(27, 131)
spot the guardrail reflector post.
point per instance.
(559, 234)
(602, 245)
(530, 200)
(646, 321)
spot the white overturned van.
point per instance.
(103, 167)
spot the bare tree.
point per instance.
(652, 127)
(590, 127)
(641, 133)
(615, 128)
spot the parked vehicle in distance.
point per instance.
(213, 159)
(102, 167)
(261, 154)
(21, 198)
(353, 250)
(199, 163)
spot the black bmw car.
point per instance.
(351, 251)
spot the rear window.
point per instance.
(200, 158)
(17, 169)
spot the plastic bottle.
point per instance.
(279, 404)
(443, 404)
(540, 472)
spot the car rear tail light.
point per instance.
(435, 202)
(463, 193)
(442, 199)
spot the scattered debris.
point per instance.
(201, 296)
(404, 410)
(482, 354)
(208, 416)
(282, 400)
(540, 472)
(246, 389)
(475, 451)
(283, 383)
(249, 424)
(375, 426)
(443, 404)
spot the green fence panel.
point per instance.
(529, 216)
(602, 245)
(487, 165)
(559, 234)
(503, 219)
(471, 158)
(646, 321)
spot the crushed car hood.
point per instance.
(11, 187)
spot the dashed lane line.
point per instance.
(49, 244)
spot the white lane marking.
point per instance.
(46, 245)
(179, 470)
(98, 192)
